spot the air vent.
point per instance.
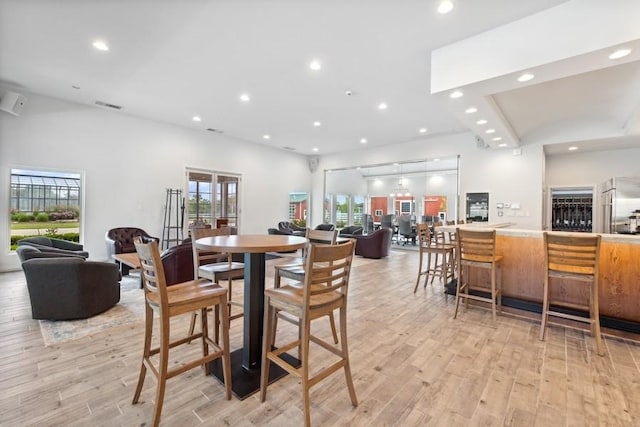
(215, 130)
(106, 104)
(289, 148)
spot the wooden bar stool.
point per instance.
(295, 270)
(182, 298)
(324, 289)
(217, 267)
(430, 246)
(573, 260)
(478, 249)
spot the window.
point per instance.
(45, 203)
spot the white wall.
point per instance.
(506, 177)
(128, 163)
(592, 167)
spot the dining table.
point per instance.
(245, 362)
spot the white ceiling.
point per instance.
(171, 60)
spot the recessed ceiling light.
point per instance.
(315, 65)
(481, 122)
(196, 118)
(245, 97)
(490, 131)
(502, 145)
(445, 6)
(573, 148)
(423, 130)
(471, 110)
(525, 77)
(100, 45)
(497, 138)
(315, 148)
(363, 141)
(266, 136)
(317, 124)
(456, 94)
(382, 106)
(620, 53)
(436, 160)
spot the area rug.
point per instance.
(129, 309)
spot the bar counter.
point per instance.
(523, 273)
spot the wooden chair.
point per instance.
(478, 249)
(173, 301)
(215, 266)
(324, 289)
(295, 271)
(428, 246)
(573, 260)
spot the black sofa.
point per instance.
(65, 287)
(49, 244)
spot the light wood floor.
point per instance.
(412, 365)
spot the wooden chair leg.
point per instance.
(332, 321)
(595, 320)
(267, 339)
(419, 273)
(192, 325)
(304, 370)
(345, 356)
(458, 287)
(204, 327)
(429, 271)
(499, 284)
(545, 309)
(226, 349)
(163, 365)
(493, 294)
(148, 330)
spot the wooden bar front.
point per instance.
(523, 273)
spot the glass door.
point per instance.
(203, 187)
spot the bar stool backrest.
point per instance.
(476, 245)
(569, 255)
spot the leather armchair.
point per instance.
(325, 227)
(352, 230)
(177, 262)
(49, 244)
(120, 241)
(374, 245)
(286, 227)
(64, 288)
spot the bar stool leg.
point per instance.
(493, 293)
(545, 309)
(595, 320)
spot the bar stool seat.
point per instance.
(477, 248)
(574, 261)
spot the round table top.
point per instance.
(252, 243)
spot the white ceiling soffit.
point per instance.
(577, 92)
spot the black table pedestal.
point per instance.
(245, 382)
